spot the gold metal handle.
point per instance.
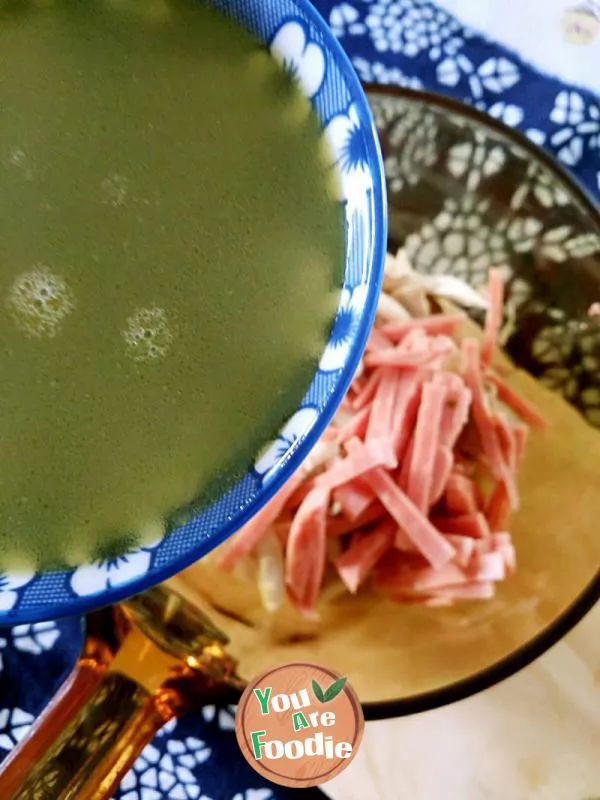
(153, 658)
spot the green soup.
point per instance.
(171, 254)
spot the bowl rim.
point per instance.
(461, 109)
(76, 605)
(556, 630)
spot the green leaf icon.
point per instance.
(335, 688)
(318, 692)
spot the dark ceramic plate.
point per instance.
(467, 193)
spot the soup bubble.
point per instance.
(147, 334)
(39, 301)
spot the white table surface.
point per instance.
(536, 736)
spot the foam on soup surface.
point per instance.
(170, 262)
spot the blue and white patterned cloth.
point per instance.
(411, 43)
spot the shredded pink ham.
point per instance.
(429, 541)
(460, 494)
(367, 392)
(373, 453)
(382, 408)
(414, 481)
(408, 401)
(253, 531)
(354, 498)
(519, 404)
(439, 323)
(493, 318)
(425, 444)
(306, 549)
(356, 563)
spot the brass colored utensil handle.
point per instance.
(90, 755)
(142, 664)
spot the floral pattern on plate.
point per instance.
(481, 198)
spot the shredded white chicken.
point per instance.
(271, 584)
(412, 289)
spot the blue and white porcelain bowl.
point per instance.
(301, 41)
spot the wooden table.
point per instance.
(536, 736)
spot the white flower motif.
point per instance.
(547, 190)
(582, 126)
(255, 794)
(565, 349)
(14, 726)
(376, 72)
(93, 578)
(536, 136)
(225, 717)
(552, 243)
(498, 74)
(276, 453)
(568, 108)
(36, 638)
(9, 583)
(350, 310)
(405, 27)
(157, 775)
(454, 67)
(583, 245)
(304, 59)
(476, 159)
(412, 137)
(557, 244)
(347, 149)
(506, 112)
(571, 153)
(167, 729)
(457, 241)
(345, 19)
(460, 241)
(522, 232)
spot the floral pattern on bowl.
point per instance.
(301, 41)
